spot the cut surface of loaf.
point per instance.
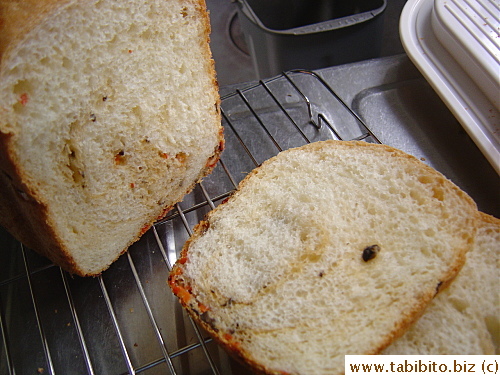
(109, 114)
(463, 319)
(328, 249)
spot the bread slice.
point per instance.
(109, 114)
(328, 249)
(465, 318)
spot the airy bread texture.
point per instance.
(109, 114)
(329, 249)
(465, 318)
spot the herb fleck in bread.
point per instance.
(276, 274)
(109, 114)
(465, 318)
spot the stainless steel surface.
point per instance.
(401, 108)
(127, 320)
(231, 53)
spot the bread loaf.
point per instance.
(329, 249)
(109, 114)
(463, 319)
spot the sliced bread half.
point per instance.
(464, 318)
(328, 249)
(109, 114)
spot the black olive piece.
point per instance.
(438, 287)
(209, 320)
(370, 252)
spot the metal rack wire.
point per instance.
(126, 321)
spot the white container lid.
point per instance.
(469, 30)
(456, 46)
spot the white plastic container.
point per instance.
(469, 30)
(456, 46)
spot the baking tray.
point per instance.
(430, 31)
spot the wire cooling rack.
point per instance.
(127, 321)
